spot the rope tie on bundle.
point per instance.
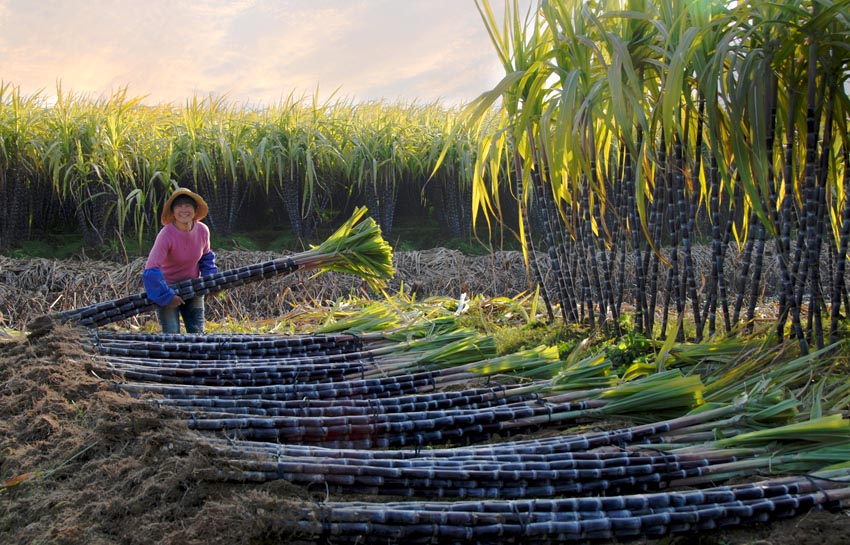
(523, 523)
(373, 406)
(816, 482)
(550, 411)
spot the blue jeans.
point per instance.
(192, 312)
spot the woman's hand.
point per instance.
(176, 301)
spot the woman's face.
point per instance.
(184, 212)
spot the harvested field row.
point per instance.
(85, 462)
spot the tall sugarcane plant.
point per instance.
(21, 131)
(687, 103)
(103, 167)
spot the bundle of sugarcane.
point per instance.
(372, 355)
(251, 373)
(157, 376)
(357, 363)
(352, 389)
(331, 365)
(296, 413)
(355, 248)
(458, 424)
(186, 361)
(557, 465)
(644, 434)
(570, 474)
(422, 428)
(572, 520)
(453, 426)
(470, 398)
(226, 346)
(501, 472)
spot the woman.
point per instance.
(181, 252)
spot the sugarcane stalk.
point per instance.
(687, 285)
(838, 287)
(586, 255)
(566, 520)
(673, 226)
(372, 388)
(744, 272)
(222, 409)
(822, 170)
(641, 313)
(710, 310)
(532, 253)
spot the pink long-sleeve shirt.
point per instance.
(176, 253)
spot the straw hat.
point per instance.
(201, 208)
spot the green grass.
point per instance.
(512, 339)
(51, 247)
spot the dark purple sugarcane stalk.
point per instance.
(808, 263)
(182, 346)
(339, 408)
(609, 256)
(212, 358)
(430, 401)
(532, 253)
(620, 223)
(710, 310)
(789, 267)
(120, 309)
(672, 226)
(770, 139)
(822, 171)
(236, 377)
(838, 287)
(587, 257)
(642, 323)
(591, 240)
(535, 447)
(583, 473)
(369, 388)
(744, 272)
(553, 521)
(397, 429)
(755, 286)
(687, 284)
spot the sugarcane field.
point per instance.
(604, 301)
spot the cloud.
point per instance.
(249, 50)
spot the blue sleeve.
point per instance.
(156, 288)
(207, 264)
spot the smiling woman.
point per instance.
(181, 252)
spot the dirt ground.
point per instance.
(81, 463)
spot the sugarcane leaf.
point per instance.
(824, 429)
(539, 362)
(666, 390)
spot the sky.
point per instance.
(250, 51)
